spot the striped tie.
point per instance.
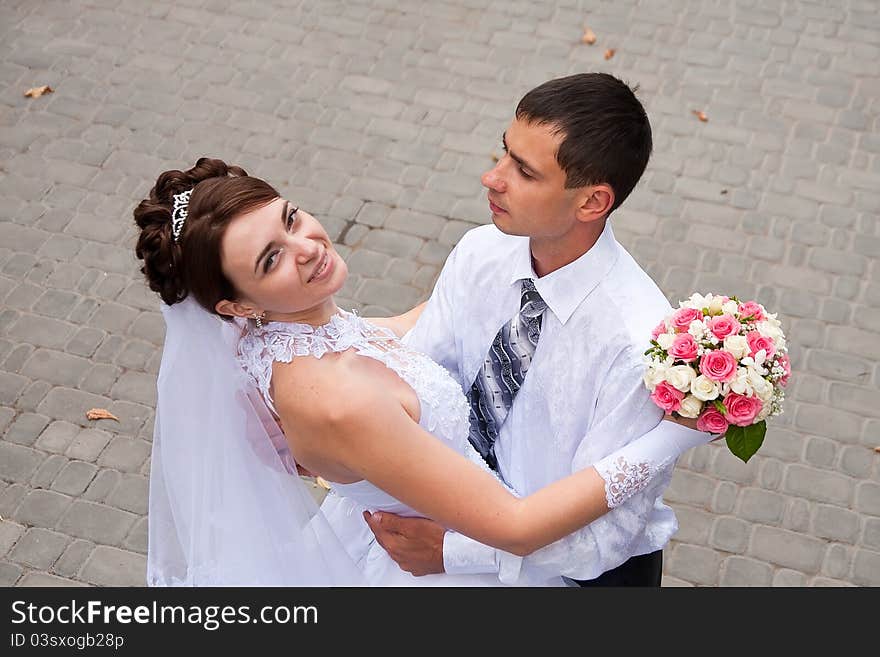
(503, 372)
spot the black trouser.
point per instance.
(643, 570)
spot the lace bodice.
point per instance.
(444, 409)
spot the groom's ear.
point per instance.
(234, 308)
(595, 202)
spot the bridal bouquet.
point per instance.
(723, 362)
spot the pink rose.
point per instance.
(723, 326)
(751, 311)
(785, 364)
(660, 328)
(742, 410)
(756, 342)
(684, 347)
(667, 397)
(718, 365)
(682, 318)
(712, 421)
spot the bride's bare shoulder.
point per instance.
(334, 386)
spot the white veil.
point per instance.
(227, 507)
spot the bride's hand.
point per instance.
(690, 423)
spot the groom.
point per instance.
(559, 386)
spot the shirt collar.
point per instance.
(564, 289)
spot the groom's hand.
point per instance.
(416, 544)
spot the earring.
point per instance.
(259, 319)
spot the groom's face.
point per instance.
(527, 194)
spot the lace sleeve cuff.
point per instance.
(631, 469)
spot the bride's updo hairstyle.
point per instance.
(191, 265)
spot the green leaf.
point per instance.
(745, 441)
(720, 407)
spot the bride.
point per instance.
(262, 373)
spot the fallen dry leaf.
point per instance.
(610, 53)
(100, 414)
(36, 92)
(700, 115)
(877, 449)
(589, 37)
(723, 192)
(322, 483)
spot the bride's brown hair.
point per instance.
(192, 265)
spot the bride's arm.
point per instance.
(360, 426)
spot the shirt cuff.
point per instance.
(465, 556)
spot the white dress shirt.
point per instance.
(583, 396)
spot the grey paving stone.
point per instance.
(9, 573)
(761, 506)
(744, 571)
(131, 494)
(866, 568)
(74, 478)
(85, 444)
(56, 367)
(70, 405)
(108, 566)
(48, 470)
(38, 548)
(57, 437)
(698, 564)
(786, 548)
(70, 562)
(42, 508)
(26, 428)
(136, 540)
(100, 379)
(10, 532)
(819, 485)
(96, 522)
(85, 341)
(789, 578)
(101, 485)
(18, 463)
(36, 579)
(125, 454)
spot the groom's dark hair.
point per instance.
(606, 132)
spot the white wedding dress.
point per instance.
(444, 413)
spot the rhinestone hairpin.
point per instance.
(179, 213)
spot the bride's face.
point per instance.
(281, 260)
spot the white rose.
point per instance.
(767, 330)
(715, 305)
(741, 384)
(765, 411)
(665, 340)
(730, 307)
(690, 407)
(656, 374)
(680, 377)
(704, 388)
(697, 301)
(697, 329)
(763, 389)
(736, 345)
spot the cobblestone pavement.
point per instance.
(379, 116)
